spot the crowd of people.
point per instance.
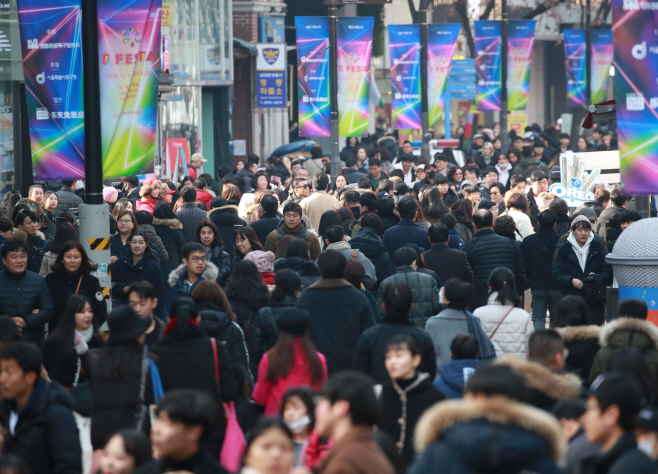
(265, 321)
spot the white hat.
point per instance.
(420, 167)
(198, 157)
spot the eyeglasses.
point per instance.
(125, 221)
(305, 186)
(198, 259)
(458, 174)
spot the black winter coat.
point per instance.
(46, 436)
(36, 252)
(608, 225)
(49, 232)
(260, 333)
(307, 270)
(171, 233)
(63, 367)
(202, 462)
(265, 225)
(220, 259)
(368, 242)
(448, 263)
(117, 247)
(389, 219)
(227, 221)
(20, 295)
(62, 285)
(562, 224)
(582, 342)
(486, 251)
(537, 251)
(124, 273)
(623, 458)
(370, 351)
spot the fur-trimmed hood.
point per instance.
(210, 273)
(171, 223)
(579, 333)
(223, 209)
(617, 333)
(22, 235)
(437, 423)
(551, 384)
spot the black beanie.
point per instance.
(294, 321)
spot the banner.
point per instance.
(129, 62)
(52, 62)
(406, 102)
(636, 93)
(441, 42)
(487, 65)
(271, 75)
(354, 49)
(313, 76)
(601, 62)
(520, 41)
(575, 65)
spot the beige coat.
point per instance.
(317, 204)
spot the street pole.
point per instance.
(504, 133)
(425, 146)
(588, 52)
(336, 167)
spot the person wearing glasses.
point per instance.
(190, 273)
(299, 189)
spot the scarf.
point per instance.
(486, 349)
(81, 338)
(173, 324)
(581, 252)
(268, 277)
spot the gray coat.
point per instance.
(66, 199)
(425, 292)
(443, 328)
(190, 216)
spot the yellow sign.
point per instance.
(517, 122)
(167, 14)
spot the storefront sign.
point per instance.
(576, 185)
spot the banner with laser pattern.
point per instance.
(354, 50)
(51, 45)
(129, 60)
(600, 64)
(636, 93)
(575, 65)
(406, 103)
(441, 42)
(487, 65)
(520, 42)
(313, 76)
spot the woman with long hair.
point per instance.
(231, 193)
(259, 182)
(246, 241)
(463, 212)
(361, 155)
(507, 326)
(433, 206)
(71, 275)
(121, 206)
(456, 176)
(517, 207)
(208, 236)
(292, 362)
(287, 287)
(187, 359)
(126, 226)
(339, 183)
(327, 219)
(140, 264)
(65, 233)
(50, 201)
(297, 257)
(248, 293)
(170, 230)
(65, 349)
(255, 211)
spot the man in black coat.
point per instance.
(368, 241)
(42, 431)
(486, 251)
(608, 225)
(406, 231)
(190, 216)
(352, 172)
(28, 222)
(24, 295)
(268, 221)
(537, 251)
(340, 312)
(447, 263)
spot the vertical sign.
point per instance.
(354, 50)
(313, 86)
(487, 65)
(272, 29)
(271, 75)
(520, 42)
(52, 62)
(636, 93)
(601, 62)
(575, 64)
(129, 57)
(406, 103)
(441, 42)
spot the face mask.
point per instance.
(298, 426)
(646, 446)
(431, 174)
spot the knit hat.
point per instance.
(554, 174)
(580, 219)
(589, 213)
(125, 325)
(149, 186)
(110, 194)
(293, 321)
(264, 260)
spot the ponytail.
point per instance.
(501, 281)
(184, 310)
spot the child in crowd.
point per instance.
(455, 374)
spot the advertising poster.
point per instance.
(441, 43)
(51, 45)
(520, 42)
(313, 76)
(487, 65)
(354, 50)
(636, 92)
(178, 156)
(601, 62)
(575, 64)
(129, 61)
(404, 48)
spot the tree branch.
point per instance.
(539, 9)
(460, 6)
(488, 10)
(413, 11)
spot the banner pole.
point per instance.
(504, 132)
(92, 105)
(588, 53)
(425, 146)
(333, 62)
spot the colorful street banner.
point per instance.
(52, 62)
(487, 65)
(520, 42)
(636, 93)
(313, 76)
(441, 42)
(575, 65)
(601, 62)
(406, 103)
(354, 50)
(129, 62)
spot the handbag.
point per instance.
(234, 445)
(500, 323)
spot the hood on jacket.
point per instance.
(227, 215)
(22, 235)
(214, 320)
(618, 333)
(437, 421)
(454, 375)
(339, 246)
(544, 380)
(210, 273)
(172, 223)
(368, 241)
(579, 333)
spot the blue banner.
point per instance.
(520, 42)
(487, 65)
(441, 44)
(575, 65)
(271, 89)
(406, 103)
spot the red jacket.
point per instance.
(204, 196)
(269, 395)
(146, 204)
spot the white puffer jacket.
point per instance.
(512, 336)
